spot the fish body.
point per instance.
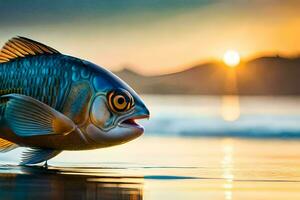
(52, 102)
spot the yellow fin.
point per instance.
(6, 146)
(20, 47)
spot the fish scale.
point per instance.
(46, 78)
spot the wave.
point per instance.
(246, 126)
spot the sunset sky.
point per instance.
(152, 36)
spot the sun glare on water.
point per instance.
(231, 58)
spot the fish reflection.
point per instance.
(38, 183)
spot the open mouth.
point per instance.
(132, 121)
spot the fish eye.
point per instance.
(120, 101)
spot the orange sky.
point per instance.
(153, 38)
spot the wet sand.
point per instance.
(68, 183)
(164, 168)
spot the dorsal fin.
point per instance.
(6, 145)
(20, 47)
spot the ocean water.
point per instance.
(223, 116)
(253, 154)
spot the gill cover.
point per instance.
(100, 114)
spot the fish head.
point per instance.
(114, 109)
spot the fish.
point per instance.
(51, 102)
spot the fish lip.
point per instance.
(130, 121)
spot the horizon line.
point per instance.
(206, 62)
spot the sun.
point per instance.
(231, 58)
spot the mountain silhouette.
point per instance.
(261, 76)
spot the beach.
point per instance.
(164, 168)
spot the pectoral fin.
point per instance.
(35, 155)
(27, 116)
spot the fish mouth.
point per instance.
(131, 122)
